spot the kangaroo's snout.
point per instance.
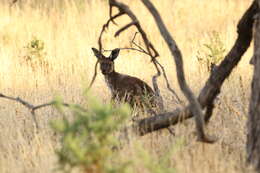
(106, 66)
(105, 72)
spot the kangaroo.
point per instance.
(123, 87)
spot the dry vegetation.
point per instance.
(68, 32)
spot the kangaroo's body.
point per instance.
(124, 87)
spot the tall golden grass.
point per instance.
(69, 30)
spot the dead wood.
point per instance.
(32, 107)
(93, 78)
(253, 123)
(213, 84)
(177, 55)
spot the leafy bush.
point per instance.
(214, 52)
(87, 141)
(35, 55)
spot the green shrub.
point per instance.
(87, 142)
(36, 55)
(213, 53)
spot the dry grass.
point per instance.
(69, 34)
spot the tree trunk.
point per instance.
(253, 124)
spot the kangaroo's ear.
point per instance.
(96, 53)
(114, 54)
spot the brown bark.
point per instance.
(177, 55)
(215, 81)
(253, 124)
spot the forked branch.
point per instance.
(176, 53)
(140, 49)
(125, 28)
(134, 21)
(30, 106)
(213, 85)
(105, 26)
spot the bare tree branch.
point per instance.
(31, 107)
(105, 26)
(128, 48)
(178, 100)
(125, 28)
(209, 112)
(176, 53)
(93, 78)
(138, 46)
(125, 9)
(215, 81)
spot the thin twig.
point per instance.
(163, 71)
(106, 25)
(178, 100)
(124, 28)
(30, 106)
(126, 48)
(93, 78)
(139, 47)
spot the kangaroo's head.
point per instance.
(106, 63)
